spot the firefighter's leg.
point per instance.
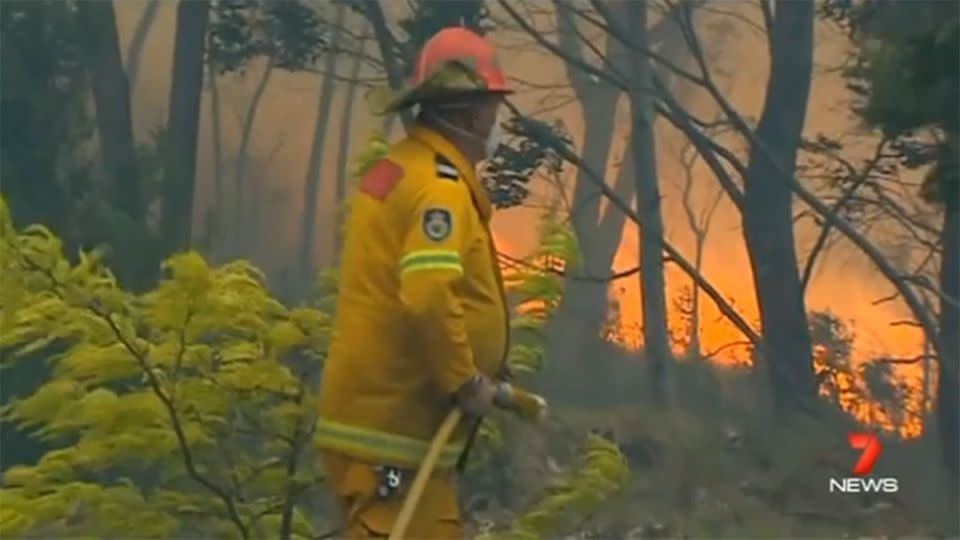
(367, 514)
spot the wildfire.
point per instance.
(723, 344)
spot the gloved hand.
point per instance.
(475, 397)
(526, 405)
(505, 373)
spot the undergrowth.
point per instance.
(715, 463)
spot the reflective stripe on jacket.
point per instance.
(390, 448)
(420, 309)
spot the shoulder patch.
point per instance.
(437, 223)
(381, 179)
(445, 169)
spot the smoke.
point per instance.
(845, 283)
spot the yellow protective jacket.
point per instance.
(421, 306)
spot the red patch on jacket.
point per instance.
(381, 179)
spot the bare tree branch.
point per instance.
(618, 202)
(821, 242)
(516, 262)
(726, 346)
(135, 51)
(553, 48)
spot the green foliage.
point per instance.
(913, 84)
(291, 33)
(43, 92)
(179, 410)
(910, 83)
(535, 285)
(601, 473)
(522, 156)
(327, 287)
(375, 149)
(430, 17)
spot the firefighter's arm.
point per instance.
(430, 265)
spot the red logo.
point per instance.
(381, 179)
(871, 448)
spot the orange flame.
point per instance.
(724, 345)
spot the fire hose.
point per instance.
(526, 405)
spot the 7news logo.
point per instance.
(861, 481)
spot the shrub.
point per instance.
(189, 409)
(180, 410)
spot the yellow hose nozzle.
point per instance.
(526, 405)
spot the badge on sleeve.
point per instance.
(437, 223)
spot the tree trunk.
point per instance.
(311, 184)
(656, 337)
(139, 39)
(220, 202)
(385, 42)
(582, 312)
(693, 349)
(125, 227)
(577, 327)
(343, 158)
(767, 210)
(948, 383)
(183, 122)
(111, 96)
(243, 207)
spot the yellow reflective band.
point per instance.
(393, 449)
(431, 259)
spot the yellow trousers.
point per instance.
(367, 516)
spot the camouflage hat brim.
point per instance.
(451, 83)
(438, 97)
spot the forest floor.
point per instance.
(714, 464)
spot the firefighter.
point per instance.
(421, 320)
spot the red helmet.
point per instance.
(458, 44)
(454, 63)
